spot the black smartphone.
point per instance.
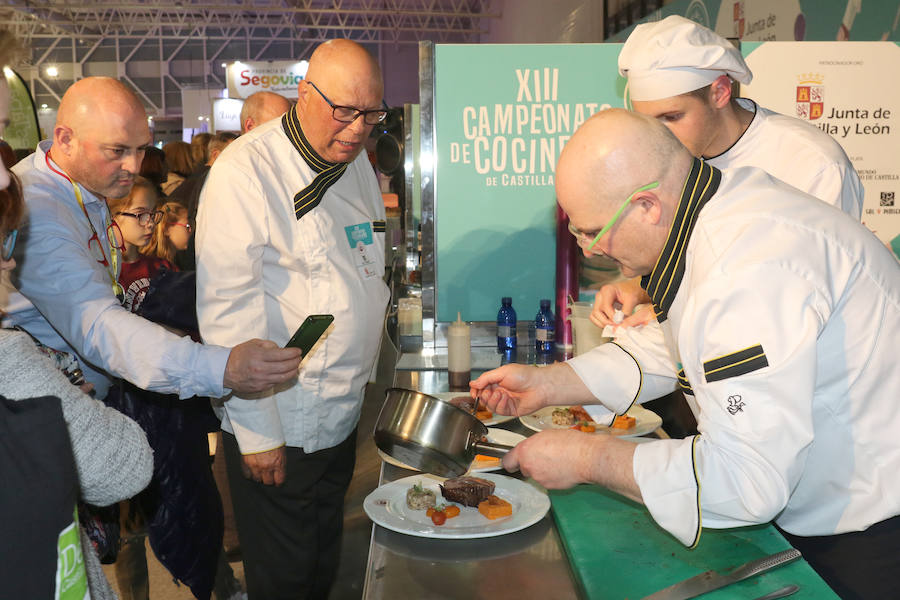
(309, 332)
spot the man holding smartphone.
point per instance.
(291, 224)
(65, 287)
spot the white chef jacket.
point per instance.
(67, 300)
(261, 272)
(797, 153)
(782, 316)
(791, 150)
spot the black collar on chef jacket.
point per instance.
(663, 282)
(327, 172)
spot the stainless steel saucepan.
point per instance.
(430, 435)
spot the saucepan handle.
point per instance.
(492, 449)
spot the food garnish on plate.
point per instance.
(418, 498)
(624, 422)
(573, 416)
(489, 461)
(440, 514)
(468, 491)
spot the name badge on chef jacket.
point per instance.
(362, 243)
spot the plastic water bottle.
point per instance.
(544, 329)
(506, 325)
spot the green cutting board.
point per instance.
(618, 552)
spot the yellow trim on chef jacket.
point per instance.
(640, 382)
(663, 282)
(328, 173)
(737, 363)
(697, 481)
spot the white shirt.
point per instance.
(797, 153)
(808, 438)
(261, 272)
(67, 300)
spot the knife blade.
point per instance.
(710, 580)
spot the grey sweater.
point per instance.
(112, 456)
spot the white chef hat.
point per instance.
(675, 56)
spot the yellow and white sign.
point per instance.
(841, 88)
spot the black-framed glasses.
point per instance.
(144, 218)
(9, 244)
(348, 114)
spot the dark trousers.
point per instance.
(291, 535)
(860, 565)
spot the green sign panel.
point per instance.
(22, 131)
(503, 113)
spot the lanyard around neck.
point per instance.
(110, 265)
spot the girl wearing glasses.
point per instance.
(171, 234)
(137, 216)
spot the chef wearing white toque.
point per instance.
(681, 73)
(675, 56)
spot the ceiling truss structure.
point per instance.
(161, 47)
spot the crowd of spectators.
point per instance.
(77, 342)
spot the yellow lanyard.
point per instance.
(111, 265)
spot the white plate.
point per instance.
(645, 422)
(498, 436)
(387, 507)
(495, 420)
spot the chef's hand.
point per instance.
(266, 467)
(520, 390)
(257, 365)
(562, 458)
(623, 295)
(511, 390)
(556, 458)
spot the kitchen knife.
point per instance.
(710, 580)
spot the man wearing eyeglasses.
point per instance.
(781, 319)
(66, 281)
(290, 224)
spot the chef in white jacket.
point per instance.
(681, 73)
(291, 223)
(781, 317)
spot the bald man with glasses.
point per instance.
(290, 224)
(765, 298)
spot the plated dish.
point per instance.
(498, 436)
(645, 422)
(387, 507)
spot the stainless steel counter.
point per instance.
(526, 564)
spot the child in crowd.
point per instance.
(171, 234)
(182, 486)
(136, 215)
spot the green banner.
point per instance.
(787, 20)
(23, 130)
(502, 115)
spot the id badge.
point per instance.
(362, 244)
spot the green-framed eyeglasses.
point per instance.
(583, 237)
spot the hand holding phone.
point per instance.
(309, 332)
